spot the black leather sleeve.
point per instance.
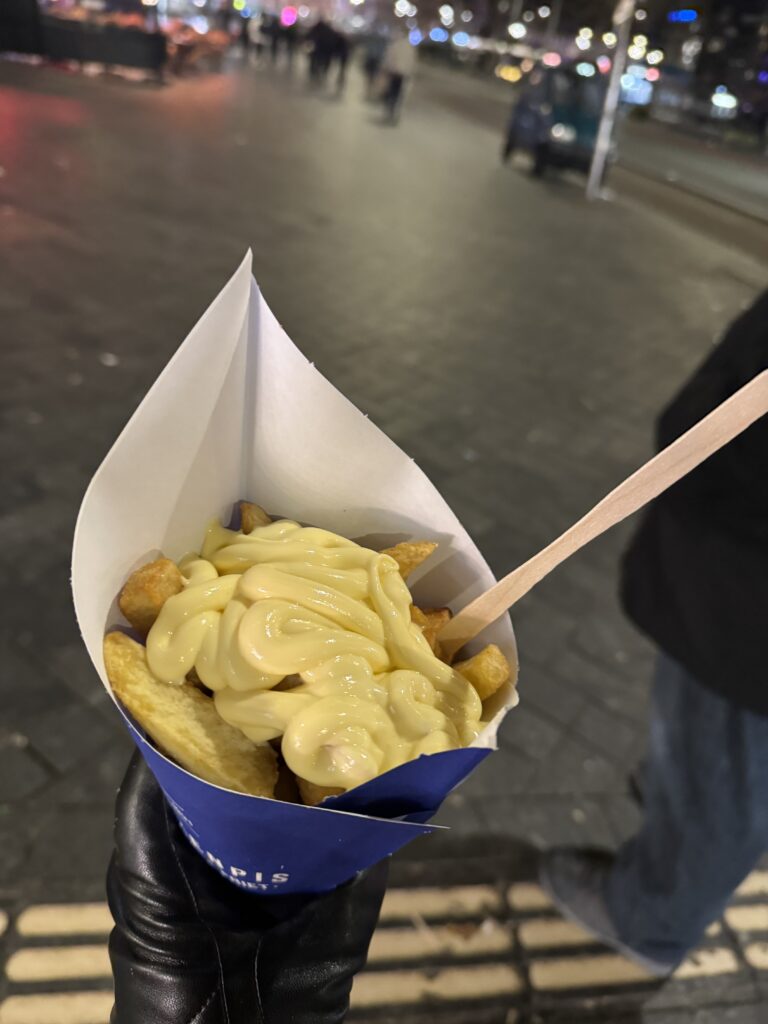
(188, 947)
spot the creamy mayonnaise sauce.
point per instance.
(306, 635)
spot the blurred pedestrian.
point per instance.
(322, 40)
(290, 44)
(374, 49)
(245, 36)
(258, 40)
(341, 56)
(399, 66)
(695, 580)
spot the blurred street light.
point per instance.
(583, 43)
(655, 57)
(528, 16)
(544, 11)
(640, 14)
(517, 30)
(609, 38)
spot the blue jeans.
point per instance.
(706, 817)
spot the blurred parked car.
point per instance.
(556, 117)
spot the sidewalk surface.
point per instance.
(516, 341)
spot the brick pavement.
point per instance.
(514, 340)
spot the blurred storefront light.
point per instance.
(552, 60)
(586, 33)
(640, 40)
(604, 64)
(438, 35)
(288, 16)
(508, 73)
(304, 11)
(636, 90)
(655, 57)
(415, 37)
(585, 70)
(544, 11)
(563, 132)
(526, 65)
(528, 16)
(517, 30)
(636, 52)
(683, 16)
(652, 75)
(723, 99)
(583, 43)
(460, 39)
(466, 16)
(610, 38)
(640, 14)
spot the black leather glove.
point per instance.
(188, 947)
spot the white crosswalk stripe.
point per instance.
(748, 918)
(57, 963)
(454, 940)
(390, 988)
(458, 901)
(59, 1008)
(757, 955)
(51, 919)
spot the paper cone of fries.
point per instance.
(240, 413)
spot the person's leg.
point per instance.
(394, 95)
(705, 818)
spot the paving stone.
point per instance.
(623, 815)
(530, 732)
(548, 821)
(618, 740)
(576, 767)
(21, 774)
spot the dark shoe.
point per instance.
(575, 880)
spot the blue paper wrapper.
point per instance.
(239, 411)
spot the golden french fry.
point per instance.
(418, 616)
(312, 795)
(185, 723)
(431, 621)
(488, 670)
(410, 554)
(252, 516)
(147, 590)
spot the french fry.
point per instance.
(410, 554)
(252, 516)
(185, 723)
(147, 590)
(431, 621)
(312, 795)
(488, 670)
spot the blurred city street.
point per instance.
(514, 339)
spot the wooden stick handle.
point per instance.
(670, 465)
